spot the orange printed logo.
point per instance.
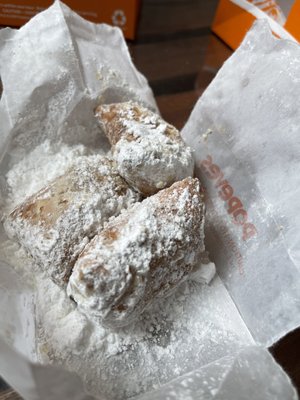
(235, 207)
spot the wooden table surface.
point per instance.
(179, 55)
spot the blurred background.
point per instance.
(177, 52)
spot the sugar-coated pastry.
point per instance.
(150, 153)
(56, 223)
(142, 254)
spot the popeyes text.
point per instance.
(234, 205)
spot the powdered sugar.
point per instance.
(140, 255)
(190, 328)
(184, 331)
(181, 332)
(154, 158)
(150, 153)
(39, 167)
(55, 224)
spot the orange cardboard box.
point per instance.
(121, 13)
(235, 17)
(292, 24)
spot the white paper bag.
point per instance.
(55, 70)
(239, 377)
(245, 130)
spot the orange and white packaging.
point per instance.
(123, 14)
(234, 18)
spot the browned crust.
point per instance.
(112, 117)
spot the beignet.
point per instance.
(55, 224)
(150, 153)
(142, 254)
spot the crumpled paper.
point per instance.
(36, 382)
(73, 66)
(240, 377)
(55, 70)
(245, 132)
